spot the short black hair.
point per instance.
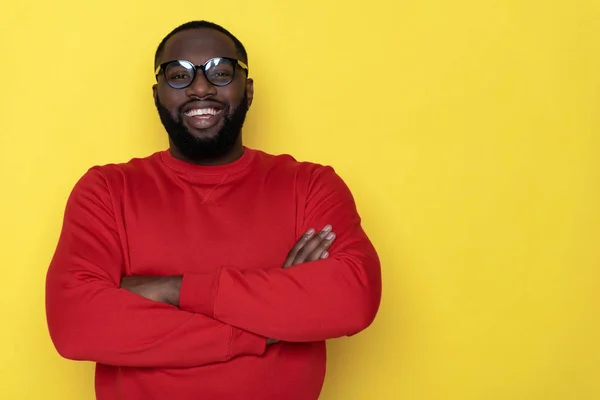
(239, 47)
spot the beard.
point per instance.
(199, 150)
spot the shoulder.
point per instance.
(133, 167)
(309, 177)
(107, 178)
(286, 163)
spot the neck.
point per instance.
(232, 155)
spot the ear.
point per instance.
(250, 90)
(155, 93)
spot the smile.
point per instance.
(202, 111)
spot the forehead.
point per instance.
(198, 46)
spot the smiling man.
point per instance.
(209, 270)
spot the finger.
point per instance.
(311, 245)
(297, 247)
(320, 252)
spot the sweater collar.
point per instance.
(218, 170)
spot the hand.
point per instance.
(163, 289)
(310, 247)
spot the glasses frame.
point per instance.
(162, 67)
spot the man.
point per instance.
(209, 271)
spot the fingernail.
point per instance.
(310, 232)
(330, 236)
(327, 228)
(325, 255)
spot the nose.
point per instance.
(200, 87)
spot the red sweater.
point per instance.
(227, 230)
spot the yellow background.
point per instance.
(468, 131)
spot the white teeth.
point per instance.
(202, 111)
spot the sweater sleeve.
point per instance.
(315, 301)
(90, 318)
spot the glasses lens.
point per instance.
(179, 74)
(219, 71)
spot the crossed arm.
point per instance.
(166, 289)
(94, 314)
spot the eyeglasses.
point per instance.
(219, 71)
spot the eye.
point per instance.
(178, 72)
(179, 76)
(220, 73)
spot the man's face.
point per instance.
(199, 136)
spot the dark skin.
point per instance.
(198, 46)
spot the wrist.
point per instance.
(171, 289)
